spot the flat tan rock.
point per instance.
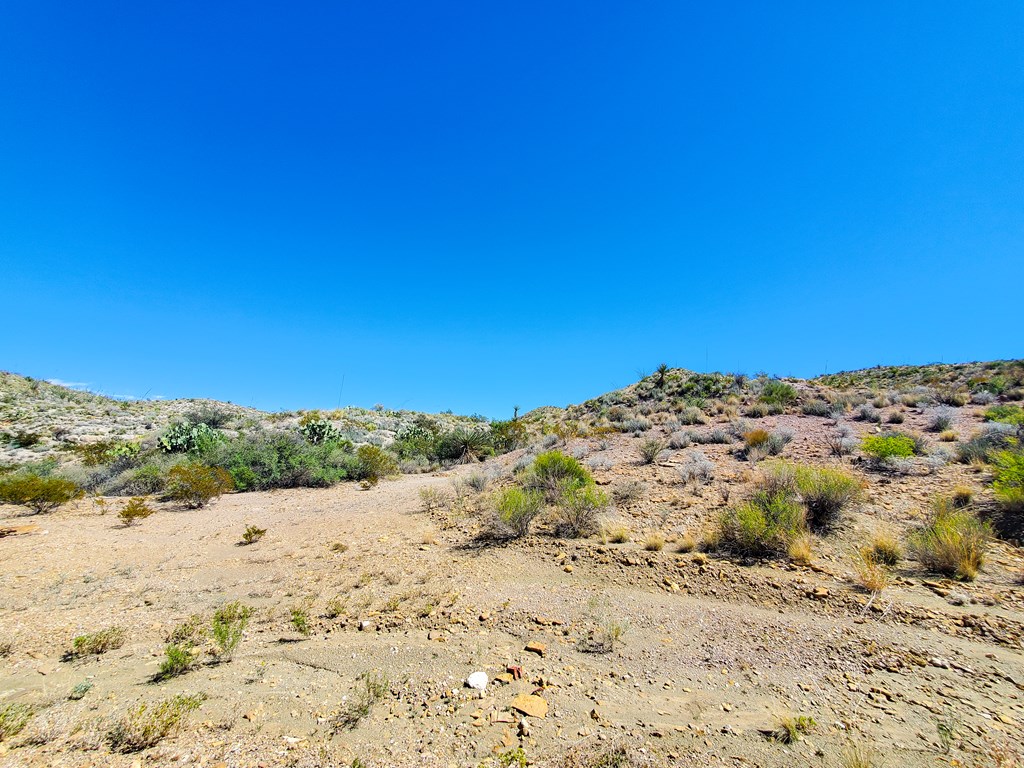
(530, 705)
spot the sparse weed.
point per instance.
(432, 498)
(371, 689)
(145, 726)
(227, 628)
(300, 620)
(97, 643)
(136, 509)
(252, 534)
(629, 492)
(650, 450)
(872, 574)
(790, 729)
(13, 719)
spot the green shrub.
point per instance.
(953, 542)
(300, 620)
(227, 627)
(508, 435)
(650, 450)
(578, 509)
(1008, 479)
(186, 437)
(13, 719)
(983, 445)
(136, 509)
(766, 525)
(885, 447)
(1006, 414)
(252, 534)
(375, 463)
(97, 643)
(778, 393)
(517, 507)
(105, 451)
(262, 461)
(146, 726)
(825, 492)
(40, 494)
(553, 472)
(196, 484)
(179, 658)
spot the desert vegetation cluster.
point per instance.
(877, 515)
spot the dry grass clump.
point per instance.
(372, 689)
(885, 549)
(872, 574)
(799, 550)
(655, 542)
(97, 643)
(953, 542)
(145, 726)
(855, 755)
(616, 533)
(962, 496)
(686, 543)
(790, 728)
(432, 498)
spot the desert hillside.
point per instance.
(697, 569)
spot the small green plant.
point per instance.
(514, 758)
(252, 534)
(790, 729)
(179, 658)
(97, 643)
(883, 448)
(227, 628)
(650, 450)
(432, 498)
(39, 494)
(578, 509)
(371, 689)
(953, 542)
(79, 691)
(13, 719)
(144, 726)
(136, 509)
(1008, 479)
(300, 620)
(516, 508)
(196, 484)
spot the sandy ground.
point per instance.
(713, 651)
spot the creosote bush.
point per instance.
(578, 509)
(517, 507)
(136, 509)
(953, 542)
(883, 448)
(252, 534)
(196, 484)
(375, 463)
(40, 494)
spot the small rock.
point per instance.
(531, 705)
(477, 681)
(535, 647)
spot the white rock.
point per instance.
(477, 681)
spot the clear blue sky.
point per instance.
(477, 205)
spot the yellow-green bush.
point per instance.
(196, 484)
(40, 494)
(953, 542)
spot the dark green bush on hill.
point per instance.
(265, 460)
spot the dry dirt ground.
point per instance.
(713, 651)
